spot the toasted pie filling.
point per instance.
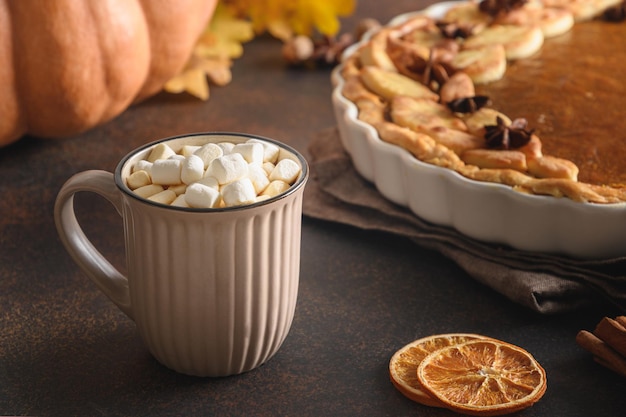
(573, 92)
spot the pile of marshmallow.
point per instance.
(213, 175)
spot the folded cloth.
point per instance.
(542, 282)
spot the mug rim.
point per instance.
(299, 183)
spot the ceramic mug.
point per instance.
(212, 291)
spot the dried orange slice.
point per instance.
(484, 377)
(403, 364)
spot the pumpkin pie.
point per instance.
(523, 93)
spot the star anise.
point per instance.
(435, 74)
(438, 68)
(454, 30)
(616, 13)
(494, 7)
(468, 104)
(501, 136)
(407, 61)
(433, 71)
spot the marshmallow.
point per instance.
(258, 177)
(270, 151)
(208, 153)
(166, 171)
(143, 165)
(164, 197)
(189, 150)
(210, 182)
(239, 192)
(201, 196)
(148, 190)
(178, 188)
(227, 168)
(227, 147)
(138, 179)
(275, 188)
(192, 169)
(160, 151)
(180, 201)
(177, 156)
(268, 167)
(251, 152)
(285, 170)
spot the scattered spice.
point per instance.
(494, 7)
(304, 51)
(435, 74)
(328, 50)
(501, 136)
(468, 104)
(407, 60)
(438, 69)
(453, 30)
(432, 72)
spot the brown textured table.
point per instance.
(66, 350)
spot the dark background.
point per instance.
(66, 350)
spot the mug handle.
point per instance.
(108, 279)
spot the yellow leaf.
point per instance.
(217, 69)
(344, 8)
(280, 29)
(224, 35)
(175, 85)
(324, 19)
(322, 15)
(192, 81)
(221, 48)
(197, 84)
(231, 28)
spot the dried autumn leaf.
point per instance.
(226, 25)
(320, 15)
(224, 35)
(280, 30)
(212, 56)
(220, 47)
(216, 69)
(192, 81)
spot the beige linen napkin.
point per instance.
(544, 283)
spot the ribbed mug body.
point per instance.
(214, 294)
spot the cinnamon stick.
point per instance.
(603, 353)
(621, 320)
(612, 333)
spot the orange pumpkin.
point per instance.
(69, 65)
